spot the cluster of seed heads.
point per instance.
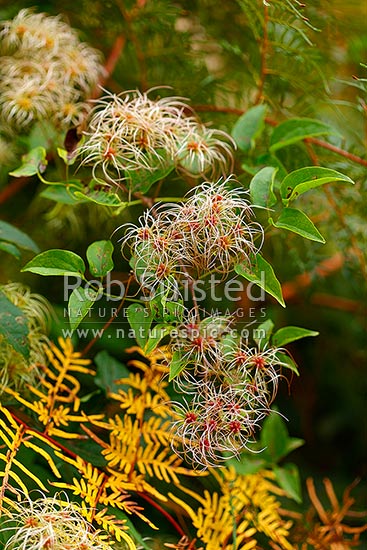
(46, 73)
(208, 233)
(228, 388)
(52, 524)
(131, 132)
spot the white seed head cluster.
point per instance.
(130, 132)
(210, 232)
(45, 71)
(228, 389)
(16, 370)
(51, 523)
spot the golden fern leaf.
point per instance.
(58, 388)
(15, 437)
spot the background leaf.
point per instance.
(99, 255)
(298, 222)
(17, 237)
(56, 262)
(248, 127)
(33, 162)
(14, 326)
(261, 187)
(80, 302)
(297, 129)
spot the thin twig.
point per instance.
(110, 64)
(164, 513)
(12, 188)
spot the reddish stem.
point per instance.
(12, 188)
(110, 64)
(164, 513)
(264, 49)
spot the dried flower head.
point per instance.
(130, 131)
(229, 392)
(51, 523)
(16, 371)
(46, 72)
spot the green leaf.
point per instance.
(289, 480)
(264, 328)
(142, 180)
(109, 370)
(261, 187)
(287, 362)
(56, 262)
(261, 273)
(297, 129)
(274, 437)
(156, 334)
(298, 182)
(140, 320)
(104, 198)
(80, 302)
(33, 162)
(176, 366)
(99, 255)
(62, 194)
(248, 127)
(14, 326)
(298, 222)
(15, 236)
(286, 335)
(10, 249)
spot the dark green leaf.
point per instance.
(297, 129)
(261, 273)
(274, 437)
(56, 262)
(14, 326)
(15, 236)
(300, 181)
(261, 187)
(289, 480)
(298, 222)
(140, 320)
(286, 335)
(33, 162)
(80, 302)
(109, 370)
(99, 255)
(248, 127)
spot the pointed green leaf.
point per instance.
(99, 255)
(274, 437)
(287, 362)
(289, 480)
(15, 236)
(264, 328)
(297, 129)
(33, 162)
(10, 249)
(261, 187)
(80, 302)
(261, 273)
(300, 181)
(248, 127)
(286, 335)
(156, 334)
(140, 320)
(298, 222)
(56, 262)
(14, 326)
(64, 155)
(176, 366)
(109, 370)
